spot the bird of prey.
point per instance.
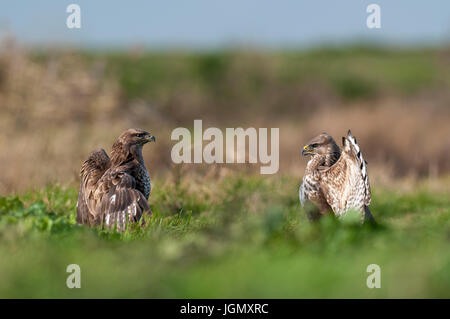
(335, 180)
(114, 191)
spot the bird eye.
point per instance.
(314, 145)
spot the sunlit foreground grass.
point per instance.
(237, 237)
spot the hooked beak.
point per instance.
(150, 138)
(307, 150)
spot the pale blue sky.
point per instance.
(216, 23)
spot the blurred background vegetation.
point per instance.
(56, 106)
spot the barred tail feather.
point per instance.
(362, 166)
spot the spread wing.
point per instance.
(89, 195)
(346, 183)
(121, 203)
(108, 195)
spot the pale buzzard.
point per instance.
(335, 181)
(114, 192)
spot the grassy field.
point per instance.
(235, 237)
(238, 235)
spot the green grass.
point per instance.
(239, 237)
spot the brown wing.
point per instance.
(122, 203)
(345, 184)
(90, 193)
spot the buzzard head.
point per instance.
(135, 136)
(322, 144)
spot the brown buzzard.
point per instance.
(335, 181)
(114, 191)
